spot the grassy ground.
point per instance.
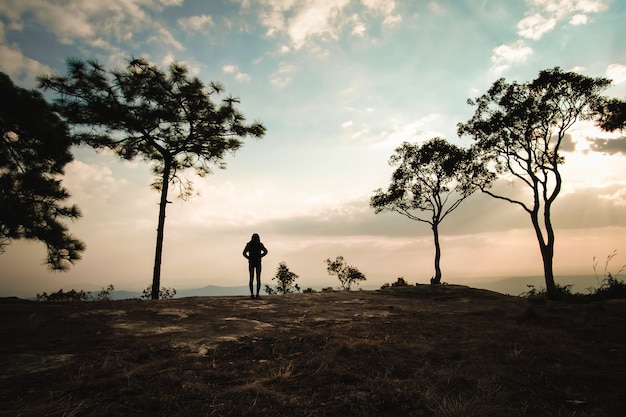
(415, 351)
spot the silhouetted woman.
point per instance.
(253, 252)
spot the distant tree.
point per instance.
(285, 279)
(430, 182)
(347, 274)
(34, 149)
(167, 118)
(520, 127)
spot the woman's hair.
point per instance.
(255, 238)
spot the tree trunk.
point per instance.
(437, 278)
(156, 276)
(546, 246)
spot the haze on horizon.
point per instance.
(339, 84)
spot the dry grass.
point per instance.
(420, 351)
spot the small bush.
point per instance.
(105, 293)
(164, 293)
(347, 274)
(71, 295)
(285, 279)
(609, 285)
(562, 292)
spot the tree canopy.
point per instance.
(431, 180)
(520, 128)
(165, 117)
(34, 150)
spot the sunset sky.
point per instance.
(339, 84)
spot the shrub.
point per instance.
(609, 285)
(164, 293)
(71, 295)
(285, 279)
(347, 274)
(105, 293)
(562, 292)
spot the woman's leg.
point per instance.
(258, 279)
(251, 271)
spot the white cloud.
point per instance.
(579, 19)
(348, 124)
(616, 72)
(196, 23)
(535, 26)
(283, 75)
(319, 19)
(544, 15)
(229, 69)
(243, 77)
(506, 55)
(416, 131)
(234, 69)
(96, 23)
(21, 69)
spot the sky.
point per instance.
(339, 84)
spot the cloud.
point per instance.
(579, 19)
(416, 131)
(94, 23)
(616, 72)
(234, 69)
(609, 146)
(535, 26)
(544, 15)
(504, 56)
(283, 75)
(243, 77)
(302, 22)
(21, 69)
(196, 23)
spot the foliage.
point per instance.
(347, 274)
(164, 293)
(612, 115)
(105, 293)
(520, 131)
(166, 118)
(308, 290)
(561, 292)
(285, 279)
(400, 282)
(269, 290)
(430, 182)
(34, 149)
(71, 295)
(609, 286)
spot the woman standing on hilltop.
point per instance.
(253, 252)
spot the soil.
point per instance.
(409, 351)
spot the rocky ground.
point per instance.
(411, 351)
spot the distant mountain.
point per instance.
(213, 290)
(209, 290)
(519, 285)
